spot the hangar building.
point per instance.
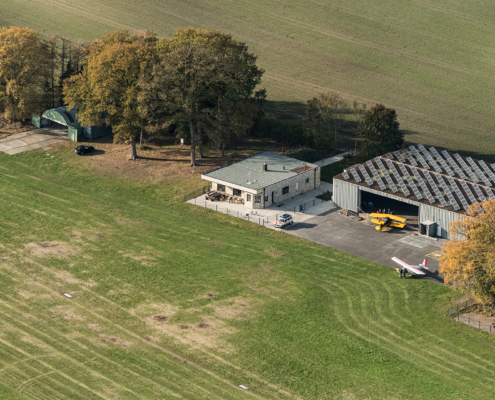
(438, 187)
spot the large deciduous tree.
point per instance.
(380, 131)
(325, 116)
(207, 79)
(339, 107)
(179, 83)
(24, 73)
(318, 123)
(358, 111)
(109, 84)
(468, 260)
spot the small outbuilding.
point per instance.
(265, 179)
(62, 116)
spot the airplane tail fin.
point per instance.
(425, 261)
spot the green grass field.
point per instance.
(432, 60)
(172, 301)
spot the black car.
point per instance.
(83, 150)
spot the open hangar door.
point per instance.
(399, 208)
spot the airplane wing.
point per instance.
(376, 215)
(407, 266)
(377, 221)
(394, 217)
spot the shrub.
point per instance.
(306, 154)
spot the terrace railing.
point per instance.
(197, 193)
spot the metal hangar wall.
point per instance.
(347, 195)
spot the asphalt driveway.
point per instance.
(35, 139)
(334, 230)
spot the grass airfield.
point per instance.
(170, 301)
(431, 60)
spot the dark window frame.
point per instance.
(285, 190)
(257, 199)
(237, 192)
(248, 197)
(221, 188)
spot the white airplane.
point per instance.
(415, 269)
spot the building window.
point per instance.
(220, 188)
(237, 192)
(297, 185)
(257, 199)
(248, 197)
(266, 198)
(285, 190)
(307, 180)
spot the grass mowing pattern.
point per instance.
(286, 317)
(432, 60)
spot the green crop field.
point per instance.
(432, 60)
(174, 301)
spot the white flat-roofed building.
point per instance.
(265, 179)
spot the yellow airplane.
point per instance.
(387, 221)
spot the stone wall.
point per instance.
(311, 175)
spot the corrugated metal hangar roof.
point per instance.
(442, 180)
(249, 172)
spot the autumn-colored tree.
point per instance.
(109, 84)
(468, 260)
(380, 131)
(24, 73)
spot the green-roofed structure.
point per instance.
(265, 179)
(61, 116)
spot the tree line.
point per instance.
(203, 84)
(32, 71)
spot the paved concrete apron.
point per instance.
(334, 230)
(35, 139)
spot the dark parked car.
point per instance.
(83, 150)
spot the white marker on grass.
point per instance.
(68, 295)
(243, 387)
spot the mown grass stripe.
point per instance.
(409, 350)
(82, 388)
(158, 347)
(83, 353)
